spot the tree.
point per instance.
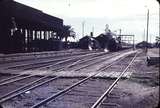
(68, 31)
(157, 41)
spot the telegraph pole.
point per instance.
(133, 42)
(147, 30)
(83, 28)
(159, 19)
(93, 30)
(144, 34)
(120, 30)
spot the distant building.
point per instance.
(143, 44)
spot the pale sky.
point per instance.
(128, 15)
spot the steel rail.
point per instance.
(45, 66)
(44, 61)
(102, 59)
(92, 63)
(37, 53)
(5, 98)
(31, 64)
(23, 87)
(73, 59)
(14, 95)
(40, 68)
(11, 78)
(24, 74)
(81, 62)
(31, 88)
(99, 101)
(11, 81)
(74, 63)
(43, 53)
(65, 60)
(29, 84)
(29, 76)
(54, 96)
(4, 83)
(25, 77)
(27, 59)
(78, 61)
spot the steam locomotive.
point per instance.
(103, 41)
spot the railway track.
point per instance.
(54, 60)
(101, 57)
(44, 80)
(39, 60)
(69, 89)
(16, 78)
(6, 81)
(9, 58)
(111, 87)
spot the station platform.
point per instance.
(153, 56)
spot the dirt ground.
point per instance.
(148, 78)
(139, 91)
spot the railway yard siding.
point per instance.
(78, 80)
